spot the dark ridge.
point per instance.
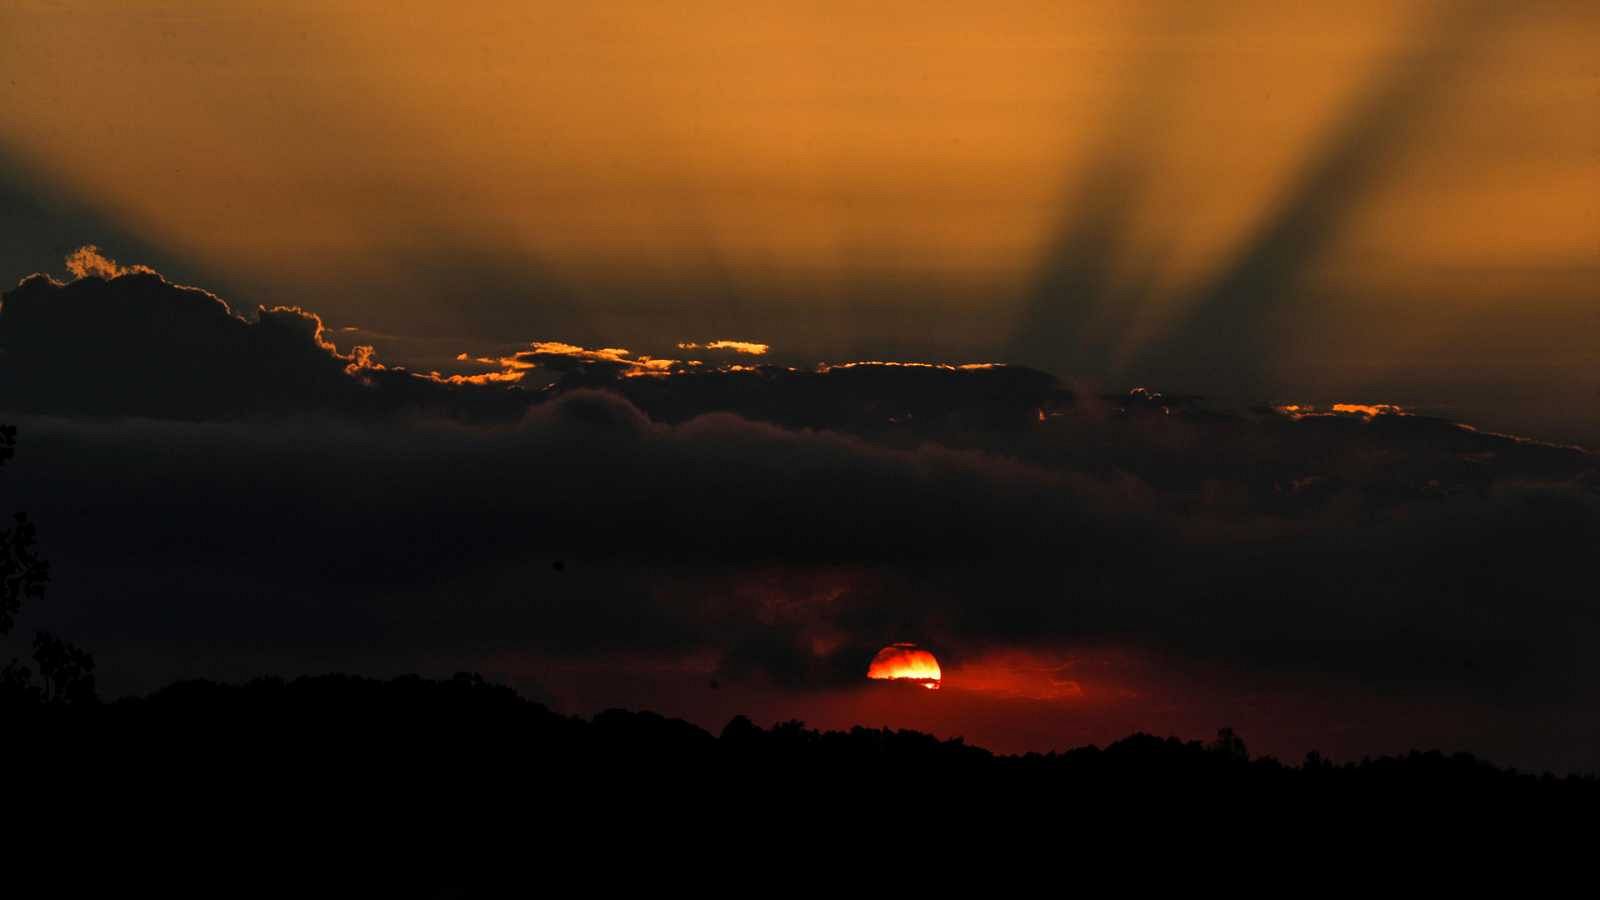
(443, 735)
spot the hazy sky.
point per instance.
(1376, 201)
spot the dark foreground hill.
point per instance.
(448, 739)
(344, 786)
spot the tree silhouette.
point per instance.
(17, 686)
(1230, 745)
(67, 671)
(22, 573)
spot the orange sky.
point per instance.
(839, 179)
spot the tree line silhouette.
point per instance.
(439, 734)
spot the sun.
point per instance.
(906, 662)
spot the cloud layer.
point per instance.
(226, 496)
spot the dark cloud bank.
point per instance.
(223, 497)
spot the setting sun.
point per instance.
(905, 662)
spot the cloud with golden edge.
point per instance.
(553, 353)
(560, 355)
(502, 377)
(508, 374)
(88, 262)
(947, 367)
(1366, 411)
(749, 348)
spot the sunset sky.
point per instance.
(1260, 203)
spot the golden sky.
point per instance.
(901, 177)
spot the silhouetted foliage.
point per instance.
(1230, 745)
(22, 573)
(67, 670)
(17, 687)
(426, 769)
(449, 740)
